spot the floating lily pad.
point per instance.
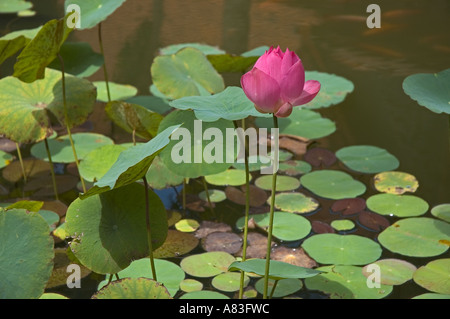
(367, 159)
(215, 195)
(343, 224)
(187, 225)
(342, 249)
(5, 159)
(185, 73)
(333, 90)
(160, 177)
(33, 167)
(133, 288)
(442, 211)
(395, 182)
(397, 205)
(431, 296)
(294, 167)
(284, 287)
(392, 271)
(98, 161)
(204, 294)
(230, 104)
(254, 163)
(294, 256)
(116, 90)
(189, 285)
(302, 122)
(257, 198)
(168, 273)
(29, 104)
(295, 203)
(232, 177)
(61, 148)
(51, 295)
(93, 12)
(346, 282)
(349, 206)
(176, 244)
(198, 157)
(284, 183)
(229, 281)
(430, 90)
(373, 221)
(222, 241)
(332, 184)
(13, 6)
(9, 47)
(26, 254)
(321, 227)
(134, 118)
(204, 48)
(207, 264)
(434, 276)
(417, 237)
(109, 229)
(286, 226)
(319, 156)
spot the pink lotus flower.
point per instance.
(276, 83)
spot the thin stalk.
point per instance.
(247, 209)
(184, 195)
(66, 117)
(19, 153)
(205, 185)
(52, 169)
(149, 233)
(272, 204)
(273, 289)
(105, 72)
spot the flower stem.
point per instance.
(52, 169)
(19, 153)
(105, 72)
(205, 185)
(184, 194)
(272, 204)
(149, 234)
(66, 118)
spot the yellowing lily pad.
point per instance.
(207, 264)
(187, 225)
(284, 183)
(395, 182)
(295, 203)
(434, 276)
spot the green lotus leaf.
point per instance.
(187, 225)
(168, 273)
(52, 295)
(13, 6)
(151, 103)
(430, 90)
(342, 224)
(109, 230)
(434, 276)
(160, 177)
(5, 159)
(333, 90)
(332, 184)
(189, 285)
(204, 48)
(258, 51)
(197, 157)
(215, 195)
(133, 288)
(10, 47)
(416, 237)
(232, 177)
(185, 73)
(116, 90)
(132, 164)
(204, 294)
(29, 34)
(397, 205)
(98, 161)
(294, 167)
(367, 159)
(229, 281)
(431, 296)
(29, 205)
(295, 203)
(346, 282)
(284, 287)
(395, 182)
(284, 183)
(442, 211)
(207, 264)
(41, 51)
(302, 122)
(93, 12)
(32, 105)
(26, 254)
(177, 244)
(392, 271)
(230, 104)
(342, 249)
(229, 63)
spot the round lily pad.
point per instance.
(160, 177)
(97, 162)
(392, 271)
(373, 221)
(229, 281)
(293, 256)
(295, 203)
(254, 163)
(187, 225)
(342, 249)
(284, 287)
(434, 276)
(257, 198)
(31, 104)
(207, 264)
(343, 224)
(417, 237)
(61, 149)
(177, 244)
(14, 6)
(442, 211)
(284, 183)
(26, 254)
(346, 282)
(367, 159)
(397, 205)
(206, 49)
(233, 177)
(222, 241)
(189, 285)
(33, 167)
(395, 182)
(431, 296)
(133, 288)
(320, 227)
(294, 167)
(51, 295)
(117, 91)
(204, 294)
(5, 159)
(332, 184)
(109, 229)
(319, 156)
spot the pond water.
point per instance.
(329, 36)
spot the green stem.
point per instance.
(149, 233)
(247, 209)
(66, 117)
(19, 153)
(52, 169)
(184, 195)
(273, 289)
(272, 204)
(105, 72)
(205, 185)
